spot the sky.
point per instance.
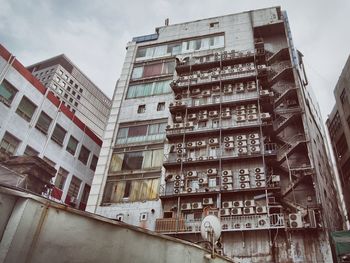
(94, 33)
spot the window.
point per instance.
(43, 122)
(29, 151)
(141, 109)
(214, 24)
(155, 69)
(136, 160)
(65, 95)
(143, 216)
(341, 146)
(65, 77)
(9, 144)
(69, 88)
(76, 104)
(78, 97)
(81, 90)
(74, 187)
(148, 89)
(54, 86)
(74, 93)
(60, 72)
(70, 100)
(60, 91)
(161, 106)
(76, 86)
(86, 192)
(26, 109)
(58, 134)
(93, 163)
(71, 82)
(135, 190)
(7, 92)
(72, 145)
(84, 155)
(343, 97)
(61, 178)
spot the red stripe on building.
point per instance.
(51, 96)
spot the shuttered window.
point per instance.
(84, 155)
(7, 92)
(43, 123)
(72, 145)
(26, 109)
(58, 134)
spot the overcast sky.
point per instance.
(93, 34)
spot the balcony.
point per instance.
(231, 223)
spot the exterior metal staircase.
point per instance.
(290, 146)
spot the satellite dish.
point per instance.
(211, 228)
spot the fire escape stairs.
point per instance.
(280, 123)
(273, 57)
(295, 206)
(288, 148)
(292, 185)
(279, 97)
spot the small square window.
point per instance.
(143, 216)
(81, 90)
(60, 72)
(76, 104)
(71, 81)
(26, 109)
(78, 97)
(54, 86)
(141, 109)
(65, 77)
(161, 106)
(65, 95)
(73, 110)
(60, 91)
(70, 100)
(214, 24)
(76, 86)
(68, 88)
(74, 93)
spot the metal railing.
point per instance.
(230, 223)
(138, 139)
(291, 143)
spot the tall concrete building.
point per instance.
(75, 89)
(215, 116)
(34, 122)
(338, 124)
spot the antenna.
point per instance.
(211, 230)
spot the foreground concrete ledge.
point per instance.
(35, 229)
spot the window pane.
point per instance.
(85, 195)
(84, 155)
(141, 52)
(162, 87)
(132, 161)
(58, 134)
(74, 187)
(157, 158)
(116, 162)
(93, 163)
(29, 151)
(43, 122)
(7, 92)
(9, 144)
(137, 131)
(152, 70)
(137, 73)
(61, 178)
(147, 163)
(72, 145)
(26, 109)
(160, 51)
(169, 67)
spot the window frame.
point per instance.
(9, 88)
(21, 112)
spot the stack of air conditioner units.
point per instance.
(259, 177)
(241, 142)
(228, 89)
(178, 184)
(243, 178)
(254, 143)
(192, 116)
(249, 207)
(227, 180)
(295, 220)
(240, 88)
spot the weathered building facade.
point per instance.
(227, 101)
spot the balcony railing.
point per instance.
(138, 139)
(231, 223)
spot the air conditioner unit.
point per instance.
(178, 118)
(176, 190)
(229, 139)
(227, 187)
(190, 159)
(178, 183)
(249, 203)
(189, 124)
(244, 178)
(212, 157)
(252, 117)
(264, 93)
(189, 189)
(208, 201)
(260, 67)
(242, 151)
(243, 171)
(265, 116)
(251, 106)
(241, 107)
(237, 203)
(181, 152)
(241, 118)
(201, 158)
(229, 145)
(241, 143)
(197, 205)
(251, 86)
(226, 173)
(201, 144)
(168, 127)
(262, 222)
(260, 183)
(191, 145)
(260, 176)
(186, 206)
(179, 103)
(240, 89)
(227, 180)
(203, 181)
(195, 91)
(259, 170)
(206, 93)
(213, 141)
(194, 76)
(254, 136)
(261, 209)
(244, 185)
(252, 111)
(178, 160)
(180, 145)
(226, 204)
(191, 174)
(216, 88)
(228, 89)
(275, 178)
(192, 116)
(213, 113)
(240, 112)
(178, 125)
(178, 177)
(212, 171)
(254, 142)
(203, 117)
(248, 210)
(236, 211)
(295, 220)
(237, 226)
(225, 212)
(242, 137)
(255, 149)
(226, 115)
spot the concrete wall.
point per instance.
(33, 229)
